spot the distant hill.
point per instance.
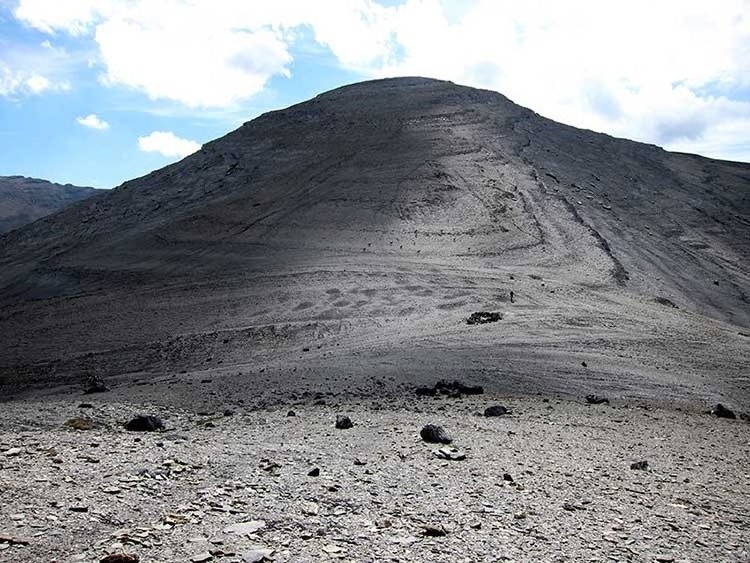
(23, 200)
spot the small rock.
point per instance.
(722, 412)
(343, 422)
(584, 364)
(426, 391)
(451, 453)
(314, 472)
(245, 528)
(202, 557)
(434, 434)
(12, 452)
(85, 406)
(291, 413)
(79, 423)
(13, 540)
(120, 558)
(228, 412)
(434, 531)
(358, 461)
(79, 508)
(257, 555)
(482, 317)
(569, 507)
(144, 423)
(331, 548)
(596, 400)
(639, 465)
(508, 477)
(495, 410)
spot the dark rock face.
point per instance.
(435, 434)
(482, 317)
(144, 423)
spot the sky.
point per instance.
(96, 92)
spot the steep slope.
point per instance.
(365, 225)
(23, 200)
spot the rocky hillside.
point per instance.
(344, 241)
(23, 200)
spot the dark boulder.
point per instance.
(722, 412)
(145, 423)
(343, 422)
(435, 434)
(495, 410)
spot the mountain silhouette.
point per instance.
(23, 200)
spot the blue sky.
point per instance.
(95, 92)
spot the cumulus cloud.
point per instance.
(167, 144)
(645, 70)
(92, 121)
(14, 82)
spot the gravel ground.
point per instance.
(551, 481)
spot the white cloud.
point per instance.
(92, 121)
(14, 82)
(168, 144)
(663, 72)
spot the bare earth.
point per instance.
(169, 496)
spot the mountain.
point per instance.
(23, 200)
(342, 243)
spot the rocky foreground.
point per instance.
(549, 480)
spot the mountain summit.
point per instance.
(345, 240)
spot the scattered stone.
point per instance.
(269, 466)
(639, 466)
(291, 413)
(721, 411)
(257, 555)
(12, 452)
(343, 422)
(314, 472)
(596, 400)
(120, 558)
(202, 557)
(245, 528)
(434, 531)
(79, 423)
(145, 423)
(450, 453)
(93, 384)
(482, 317)
(434, 434)
(495, 410)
